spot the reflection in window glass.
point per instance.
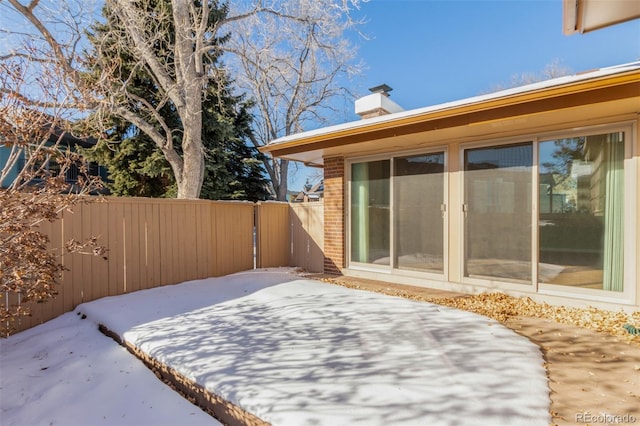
(497, 183)
(370, 212)
(418, 199)
(581, 211)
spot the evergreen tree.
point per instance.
(234, 170)
(136, 165)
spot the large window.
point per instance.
(497, 210)
(410, 236)
(419, 210)
(546, 213)
(581, 226)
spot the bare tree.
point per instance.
(33, 188)
(180, 80)
(553, 69)
(293, 58)
(291, 54)
(178, 69)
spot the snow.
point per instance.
(65, 372)
(290, 350)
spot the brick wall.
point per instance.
(334, 185)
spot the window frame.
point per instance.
(454, 221)
(628, 294)
(392, 267)
(488, 282)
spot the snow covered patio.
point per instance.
(294, 351)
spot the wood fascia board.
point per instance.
(554, 98)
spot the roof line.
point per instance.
(608, 77)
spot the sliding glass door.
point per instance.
(408, 234)
(581, 226)
(497, 212)
(419, 212)
(549, 212)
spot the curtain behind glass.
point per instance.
(613, 263)
(370, 212)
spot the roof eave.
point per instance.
(353, 133)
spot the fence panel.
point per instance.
(315, 231)
(233, 228)
(99, 269)
(307, 236)
(151, 242)
(272, 234)
(156, 242)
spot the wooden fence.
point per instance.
(306, 223)
(156, 242)
(272, 234)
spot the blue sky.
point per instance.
(435, 51)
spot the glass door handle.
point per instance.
(465, 209)
(443, 210)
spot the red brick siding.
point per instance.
(334, 185)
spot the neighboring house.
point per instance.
(310, 193)
(291, 195)
(532, 190)
(69, 142)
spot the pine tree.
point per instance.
(136, 166)
(234, 170)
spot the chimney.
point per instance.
(377, 104)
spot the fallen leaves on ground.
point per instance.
(503, 307)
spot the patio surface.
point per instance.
(589, 372)
(294, 351)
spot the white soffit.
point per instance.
(581, 16)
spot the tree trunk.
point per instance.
(281, 193)
(190, 182)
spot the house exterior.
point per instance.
(582, 16)
(310, 193)
(531, 191)
(66, 142)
